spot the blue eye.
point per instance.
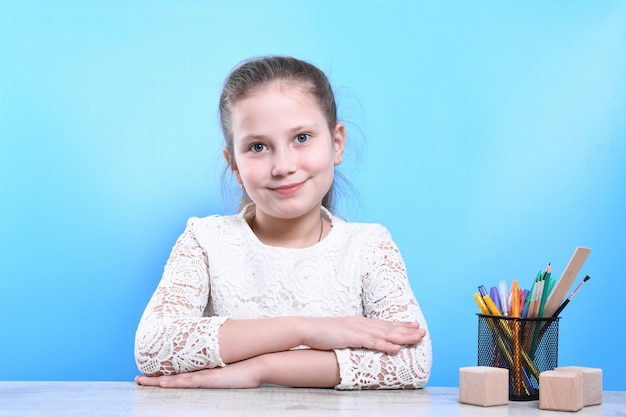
(302, 137)
(257, 147)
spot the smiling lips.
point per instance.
(288, 189)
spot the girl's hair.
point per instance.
(254, 74)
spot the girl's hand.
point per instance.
(236, 375)
(361, 332)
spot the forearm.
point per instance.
(244, 339)
(299, 368)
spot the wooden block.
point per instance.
(560, 391)
(592, 383)
(483, 385)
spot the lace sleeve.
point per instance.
(173, 336)
(387, 295)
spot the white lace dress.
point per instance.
(218, 269)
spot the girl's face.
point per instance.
(283, 152)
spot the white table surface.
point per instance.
(114, 399)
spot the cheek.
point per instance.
(323, 163)
(249, 169)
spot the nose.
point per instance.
(285, 162)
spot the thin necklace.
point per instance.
(321, 229)
(319, 239)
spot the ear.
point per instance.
(231, 163)
(339, 142)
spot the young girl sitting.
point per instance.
(283, 292)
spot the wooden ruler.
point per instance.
(564, 283)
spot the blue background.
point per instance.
(489, 137)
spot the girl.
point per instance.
(283, 292)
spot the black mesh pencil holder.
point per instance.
(526, 347)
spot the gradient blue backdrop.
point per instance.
(489, 137)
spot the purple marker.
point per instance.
(495, 297)
(482, 290)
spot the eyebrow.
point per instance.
(292, 131)
(301, 128)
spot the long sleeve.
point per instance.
(387, 295)
(219, 270)
(173, 336)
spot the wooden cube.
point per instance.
(483, 385)
(561, 391)
(592, 383)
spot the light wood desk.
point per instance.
(115, 399)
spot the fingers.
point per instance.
(362, 332)
(238, 375)
(148, 381)
(407, 333)
(184, 380)
(391, 337)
